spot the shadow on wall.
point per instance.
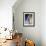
(18, 2)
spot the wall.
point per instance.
(6, 13)
(43, 22)
(32, 33)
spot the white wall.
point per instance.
(6, 13)
(32, 33)
(43, 22)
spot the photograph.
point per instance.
(28, 18)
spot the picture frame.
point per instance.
(29, 19)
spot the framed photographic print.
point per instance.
(29, 19)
